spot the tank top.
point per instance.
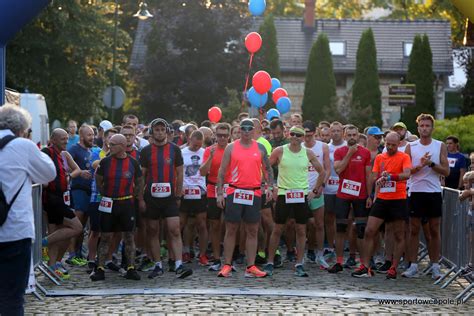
(192, 161)
(293, 170)
(313, 175)
(333, 182)
(425, 180)
(245, 168)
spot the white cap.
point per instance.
(106, 125)
(182, 129)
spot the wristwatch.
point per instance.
(432, 164)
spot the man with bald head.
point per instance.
(81, 187)
(62, 222)
(119, 180)
(390, 172)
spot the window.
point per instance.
(407, 49)
(337, 48)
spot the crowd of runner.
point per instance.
(244, 193)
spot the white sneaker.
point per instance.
(322, 262)
(435, 273)
(411, 272)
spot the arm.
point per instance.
(75, 170)
(41, 167)
(138, 189)
(206, 166)
(443, 167)
(461, 182)
(414, 169)
(100, 183)
(223, 170)
(179, 181)
(276, 156)
(319, 168)
(368, 180)
(326, 162)
(341, 165)
(268, 171)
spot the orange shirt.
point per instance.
(393, 190)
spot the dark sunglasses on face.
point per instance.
(296, 134)
(246, 128)
(222, 135)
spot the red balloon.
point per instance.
(278, 93)
(262, 82)
(253, 42)
(214, 114)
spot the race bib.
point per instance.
(224, 190)
(388, 187)
(294, 196)
(333, 182)
(106, 205)
(244, 197)
(67, 198)
(160, 190)
(452, 162)
(351, 187)
(192, 193)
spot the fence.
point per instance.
(38, 213)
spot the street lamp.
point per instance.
(142, 14)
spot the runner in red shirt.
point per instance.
(353, 164)
(212, 162)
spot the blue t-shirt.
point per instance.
(456, 162)
(95, 155)
(82, 156)
(72, 141)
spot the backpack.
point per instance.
(4, 206)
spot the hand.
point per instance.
(311, 195)
(275, 194)
(220, 201)
(380, 181)
(368, 203)
(464, 195)
(269, 194)
(213, 150)
(86, 174)
(352, 149)
(426, 159)
(141, 206)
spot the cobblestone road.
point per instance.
(325, 286)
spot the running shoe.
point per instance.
(98, 274)
(76, 261)
(61, 274)
(112, 266)
(363, 272)
(291, 256)
(147, 265)
(329, 255)
(44, 253)
(385, 267)
(278, 263)
(171, 265)
(467, 270)
(411, 272)
(182, 272)
(391, 273)
(157, 271)
(311, 256)
(215, 265)
(300, 272)
(226, 271)
(163, 252)
(337, 267)
(187, 257)
(268, 268)
(254, 272)
(260, 260)
(322, 262)
(240, 259)
(132, 274)
(350, 263)
(91, 265)
(203, 260)
(435, 272)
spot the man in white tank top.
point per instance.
(430, 160)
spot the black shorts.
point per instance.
(423, 204)
(122, 218)
(265, 204)
(330, 203)
(390, 210)
(343, 208)
(94, 217)
(298, 211)
(193, 206)
(56, 210)
(213, 212)
(235, 213)
(158, 208)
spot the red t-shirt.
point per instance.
(353, 181)
(214, 171)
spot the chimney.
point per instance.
(308, 21)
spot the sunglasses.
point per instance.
(296, 135)
(113, 144)
(222, 135)
(377, 136)
(246, 128)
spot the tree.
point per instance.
(366, 88)
(460, 127)
(320, 86)
(65, 54)
(267, 57)
(468, 89)
(195, 53)
(420, 73)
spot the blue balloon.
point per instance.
(272, 113)
(256, 100)
(284, 105)
(275, 84)
(257, 7)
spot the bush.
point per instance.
(460, 127)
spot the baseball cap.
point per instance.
(309, 126)
(183, 128)
(399, 124)
(297, 130)
(105, 125)
(246, 123)
(374, 130)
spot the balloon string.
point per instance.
(261, 114)
(246, 83)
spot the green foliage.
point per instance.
(468, 90)
(66, 55)
(366, 88)
(267, 58)
(420, 72)
(231, 108)
(196, 53)
(460, 127)
(320, 85)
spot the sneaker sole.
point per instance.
(302, 276)
(250, 275)
(391, 277)
(185, 274)
(362, 276)
(220, 275)
(410, 276)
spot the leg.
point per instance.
(153, 232)
(229, 240)
(434, 248)
(104, 245)
(215, 226)
(370, 233)
(92, 244)
(300, 242)
(175, 235)
(398, 233)
(318, 216)
(290, 235)
(129, 241)
(267, 223)
(274, 241)
(201, 225)
(311, 231)
(389, 239)
(415, 224)
(251, 230)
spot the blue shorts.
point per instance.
(80, 200)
